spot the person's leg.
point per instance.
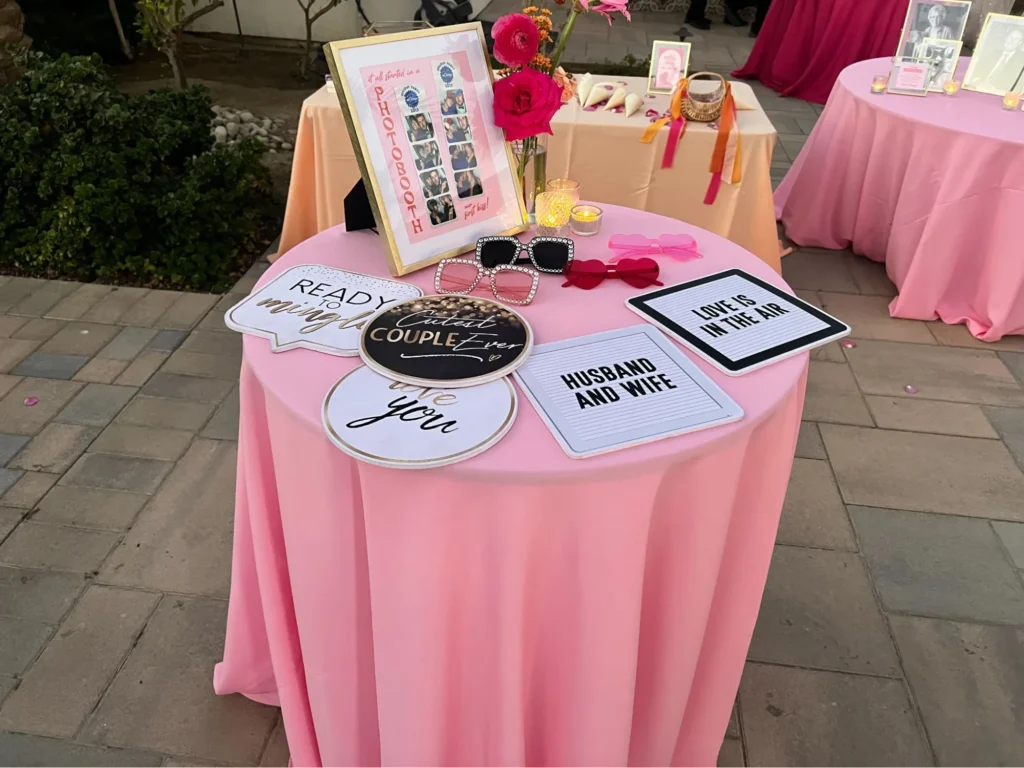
(732, 12)
(695, 16)
(762, 12)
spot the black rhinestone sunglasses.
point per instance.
(547, 254)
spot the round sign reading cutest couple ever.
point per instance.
(446, 341)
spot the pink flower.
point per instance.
(516, 39)
(566, 83)
(607, 7)
(525, 102)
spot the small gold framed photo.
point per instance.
(419, 107)
(670, 61)
(909, 77)
(942, 57)
(997, 66)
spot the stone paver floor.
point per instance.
(892, 626)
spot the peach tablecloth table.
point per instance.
(599, 149)
(520, 607)
(933, 187)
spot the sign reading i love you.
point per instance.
(446, 341)
(392, 424)
(316, 307)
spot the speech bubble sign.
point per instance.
(316, 307)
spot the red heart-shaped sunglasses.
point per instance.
(590, 273)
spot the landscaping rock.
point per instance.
(286, 145)
(246, 117)
(232, 129)
(220, 133)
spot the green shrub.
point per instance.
(101, 185)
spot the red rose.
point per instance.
(525, 102)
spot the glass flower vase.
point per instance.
(531, 156)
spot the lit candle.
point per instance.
(878, 83)
(585, 220)
(1011, 100)
(951, 87)
(568, 186)
(553, 210)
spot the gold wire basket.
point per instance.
(704, 106)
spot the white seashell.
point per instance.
(598, 94)
(584, 87)
(633, 103)
(617, 99)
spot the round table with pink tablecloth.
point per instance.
(933, 187)
(520, 607)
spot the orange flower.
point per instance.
(541, 62)
(566, 83)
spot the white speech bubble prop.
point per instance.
(316, 307)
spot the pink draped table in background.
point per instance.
(933, 187)
(520, 607)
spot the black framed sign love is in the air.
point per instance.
(736, 321)
(612, 390)
(446, 341)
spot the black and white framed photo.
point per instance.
(941, 56)
(997, 65)
(936, 19)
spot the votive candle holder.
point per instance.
(951, 87)
(552, 210)
(1011, 100)
(878, 83)
(585, 220)
(565, 186)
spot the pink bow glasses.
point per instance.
(679, 247)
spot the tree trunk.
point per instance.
(177, 69)
(304, 68)
(125, 46)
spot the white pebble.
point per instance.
(232, 129)
(246, 117)
(286, 145)
(220, 133)
(273, 151)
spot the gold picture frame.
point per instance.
(950, 45)
(912, 11)
(982, 55)
(657, 47)
(897, 65)
(418, 240)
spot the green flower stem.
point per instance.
(563, 38)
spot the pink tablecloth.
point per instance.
(519, 607)
(934, 187)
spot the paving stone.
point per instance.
(1012, 536)
(181, 542)
(732, 731)
(806, 717)
(41, 301)
(819, 611)
(935, 565)
(20, 643)
(960, 336)
(29, 489)
(198, 364)
(178, 386)
(186, 311)
(815, 270)
(25, 750)
(868, 317)
(149, 308)
(1009, 423)
(935, 416)
(64, 685)
(166, 413)
(1015, 362)
(276, 754)
(13, 351)
(783, 122)
(939, 373)
(146, 442)
(173, 661)
(18, 289)
(18, 418)
(808, 444)
(10, 445)
(969, 684)
(832, 396)
(9, 519)
(228, 300)
(144, 366)
(173, 762)
(117, 473)
(90, 507)
(214, 321)
(111, 307)
(925, 473)
(56, 448)
(213, 343)
(813, 514)
(128, 343)
(9, 324)
(79, 302)
(224, 424)
(38, 545)
(731, 754)
(43, 596)
(96, 405)
(7, 684)
(167, 341)
(80, 339)
(100, 371)
(8, 477)
(7, 383)
(38, 329)
(47, 366)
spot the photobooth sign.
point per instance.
(385, 422)
(316, 307)
(736, 321)
(419, 108)
(611, 390)
(452, 341)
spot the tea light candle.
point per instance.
(566, 186)
(878, 83)
(1011, 100)
(553, 210)
(951, 87)
(585, 220)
